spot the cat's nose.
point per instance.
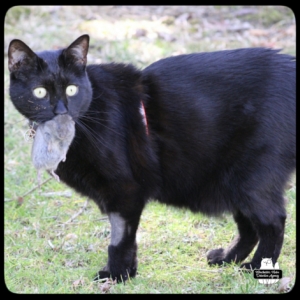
(60, 108)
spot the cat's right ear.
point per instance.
(78, 50)
(19, 55)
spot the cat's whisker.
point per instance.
(94, 139)
(99, 121)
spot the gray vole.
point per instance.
(51, 143)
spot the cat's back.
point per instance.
(246, 71)
(242, 84)
(237, 61)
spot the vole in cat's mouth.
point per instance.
(51, 143)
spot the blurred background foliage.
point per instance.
(144, 34)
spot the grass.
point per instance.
(44, 251)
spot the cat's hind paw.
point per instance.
(216, 257)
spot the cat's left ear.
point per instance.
(78, 50)
(19, 55)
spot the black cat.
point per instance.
(213, 132)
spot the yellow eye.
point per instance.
(71, 90)
(40, 92)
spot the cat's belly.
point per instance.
(208, 201)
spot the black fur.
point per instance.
(221, 138)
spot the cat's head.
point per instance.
(49, 83)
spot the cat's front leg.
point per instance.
(122, 251)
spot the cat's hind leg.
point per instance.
(241, 246)
(263, 220)
(270, 231)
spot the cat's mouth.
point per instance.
(35, 122)
(33, 125)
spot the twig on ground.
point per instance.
(78, 213)
(67, 194)
(58, 247)
(50, 244)
(27, 193)
(83, 222)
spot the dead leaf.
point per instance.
(166, 36)
(140, 32)
(258, 32)
(77, 283)
(71, 236)
(183, 18)
(284, 284)
(105, 287)
(245, 11)
(70, 264)
(291, 30)
(20, 201)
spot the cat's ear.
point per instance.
(19, 55)
(78, 50)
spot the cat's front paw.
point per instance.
(216, 257)
(119, 276)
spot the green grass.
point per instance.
(43, 252)
(171, 250)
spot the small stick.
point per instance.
(78, 213)
(66, 194)
(56, 248)
(33, 189)
(50, 244)
(83, 222)
(36, 187)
